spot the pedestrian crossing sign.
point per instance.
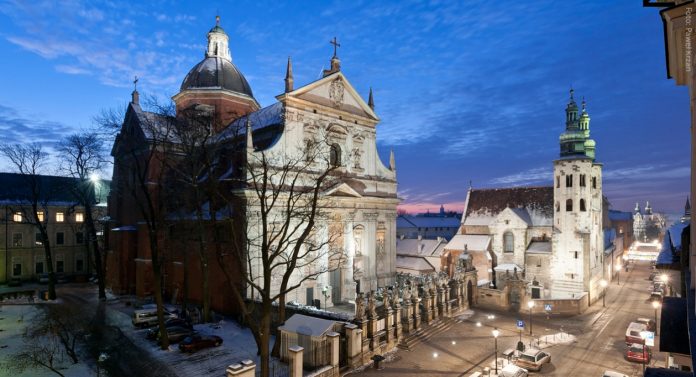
(547, 307)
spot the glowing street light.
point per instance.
(664, 278)
(94, 177)
(604, 284)
(530, 305)
(496, 332)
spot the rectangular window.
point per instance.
(17, 217)
(536, 292)
(79, 217)
(38, 240)
(60, 217)
(569, 180)
(576, 255)
(582, 180)
(40, 216)
(79, 265)
(79, 238)
(16, 267)
(60, 267)
(558, 182)
(17, 239)
(594, 182)
(60, 238)
(39, 268)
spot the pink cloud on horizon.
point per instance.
(414, 208)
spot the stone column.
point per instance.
(397, 320)
(354, 345)
(246, 368)
(408, 315)
(416, 313)
(445, 287)
(427, 306)
(440, 302)
(389, 327)
(334, 340)
(296, 358)
(463, 304)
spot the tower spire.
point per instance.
(288, 77)
(218, 42)
(371, 101)
(687, 207)
(249, 137)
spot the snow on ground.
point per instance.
(13, 321)
(238, 344)
(547, 341)
(466, 314)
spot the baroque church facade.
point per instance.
(362, 201)
(550, 237)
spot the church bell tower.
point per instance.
(578, 238)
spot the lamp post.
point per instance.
(603, 283)
(644, 335)
(655, 305)
(496, 332)
(618, 274)
(530, 305)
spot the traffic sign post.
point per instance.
(548, 307)
(520, 326)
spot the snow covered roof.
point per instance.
(306, 325)
(533, 204)
(419, 264)
(508, 267)
(473, 242)
(53, 190)
(422, 247)
(410, 221)
(539, 247)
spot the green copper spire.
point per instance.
(575, 141)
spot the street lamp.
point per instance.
(618, 273)
(530, 304)
(496, 332)
(655, 305)
(604, 284)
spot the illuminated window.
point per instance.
(79, 217)
(40, 216)
(60, 217)
(17, 217)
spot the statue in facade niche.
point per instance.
(360, 307)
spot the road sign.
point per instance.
(649, 338)
(548, 307)
(520, 324)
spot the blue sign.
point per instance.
(547, 307)
(520, 324)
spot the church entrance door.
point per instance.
(336, 286)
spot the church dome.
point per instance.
(215, 72)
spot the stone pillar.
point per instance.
(440, 311)
(433, 302)
(416, 314)
(427, 306)
(389, 327)
(397, 320)
(372, 333)
(445, 287)
(246, 368)
(408, 316)
(296, 358)
(334, 340)
(354, 345)
(463, 303)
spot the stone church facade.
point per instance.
(361, 204)
(551, 237)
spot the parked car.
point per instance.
(611, 373)
(649, 323)
(177, 333)
(633, 332)
(198, 342)
(148, 317)
(533, 359)
(638, 353)
(60, 278)
(656, 296)
(512, 370)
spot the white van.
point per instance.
(148, 317)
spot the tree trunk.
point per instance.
(265, 337)
(96, 250)
(49, 268)
(157, 277)
(185, 288)
(281, 320)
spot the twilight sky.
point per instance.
(467, 91)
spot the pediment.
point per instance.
(336, 92)
(342, 189)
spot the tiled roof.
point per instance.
(473, 242)
(533, 204)
(414, 263)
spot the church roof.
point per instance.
(419, 264)
(422, 247)
(533, 204)
(266, 126)
(215, 72)
(470, 242)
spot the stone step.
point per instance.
(424, 333)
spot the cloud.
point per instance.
(527, 177)
(30, 128)
(72, 70)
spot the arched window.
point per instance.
(582, 205)
(335, 155)
(508, 242)
(558, 182)
(569, 180)
(558, 207)
(569, 205)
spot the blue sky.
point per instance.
(467, 91)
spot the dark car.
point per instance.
(153, 332)
(177, 333)
(198, 342)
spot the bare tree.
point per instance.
(283, 237)
(83, 157)
(29, 161)
(40, 353)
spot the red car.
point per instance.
(198, 342)
(638, 353)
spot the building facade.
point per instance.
(551, 236)
(359, 207)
